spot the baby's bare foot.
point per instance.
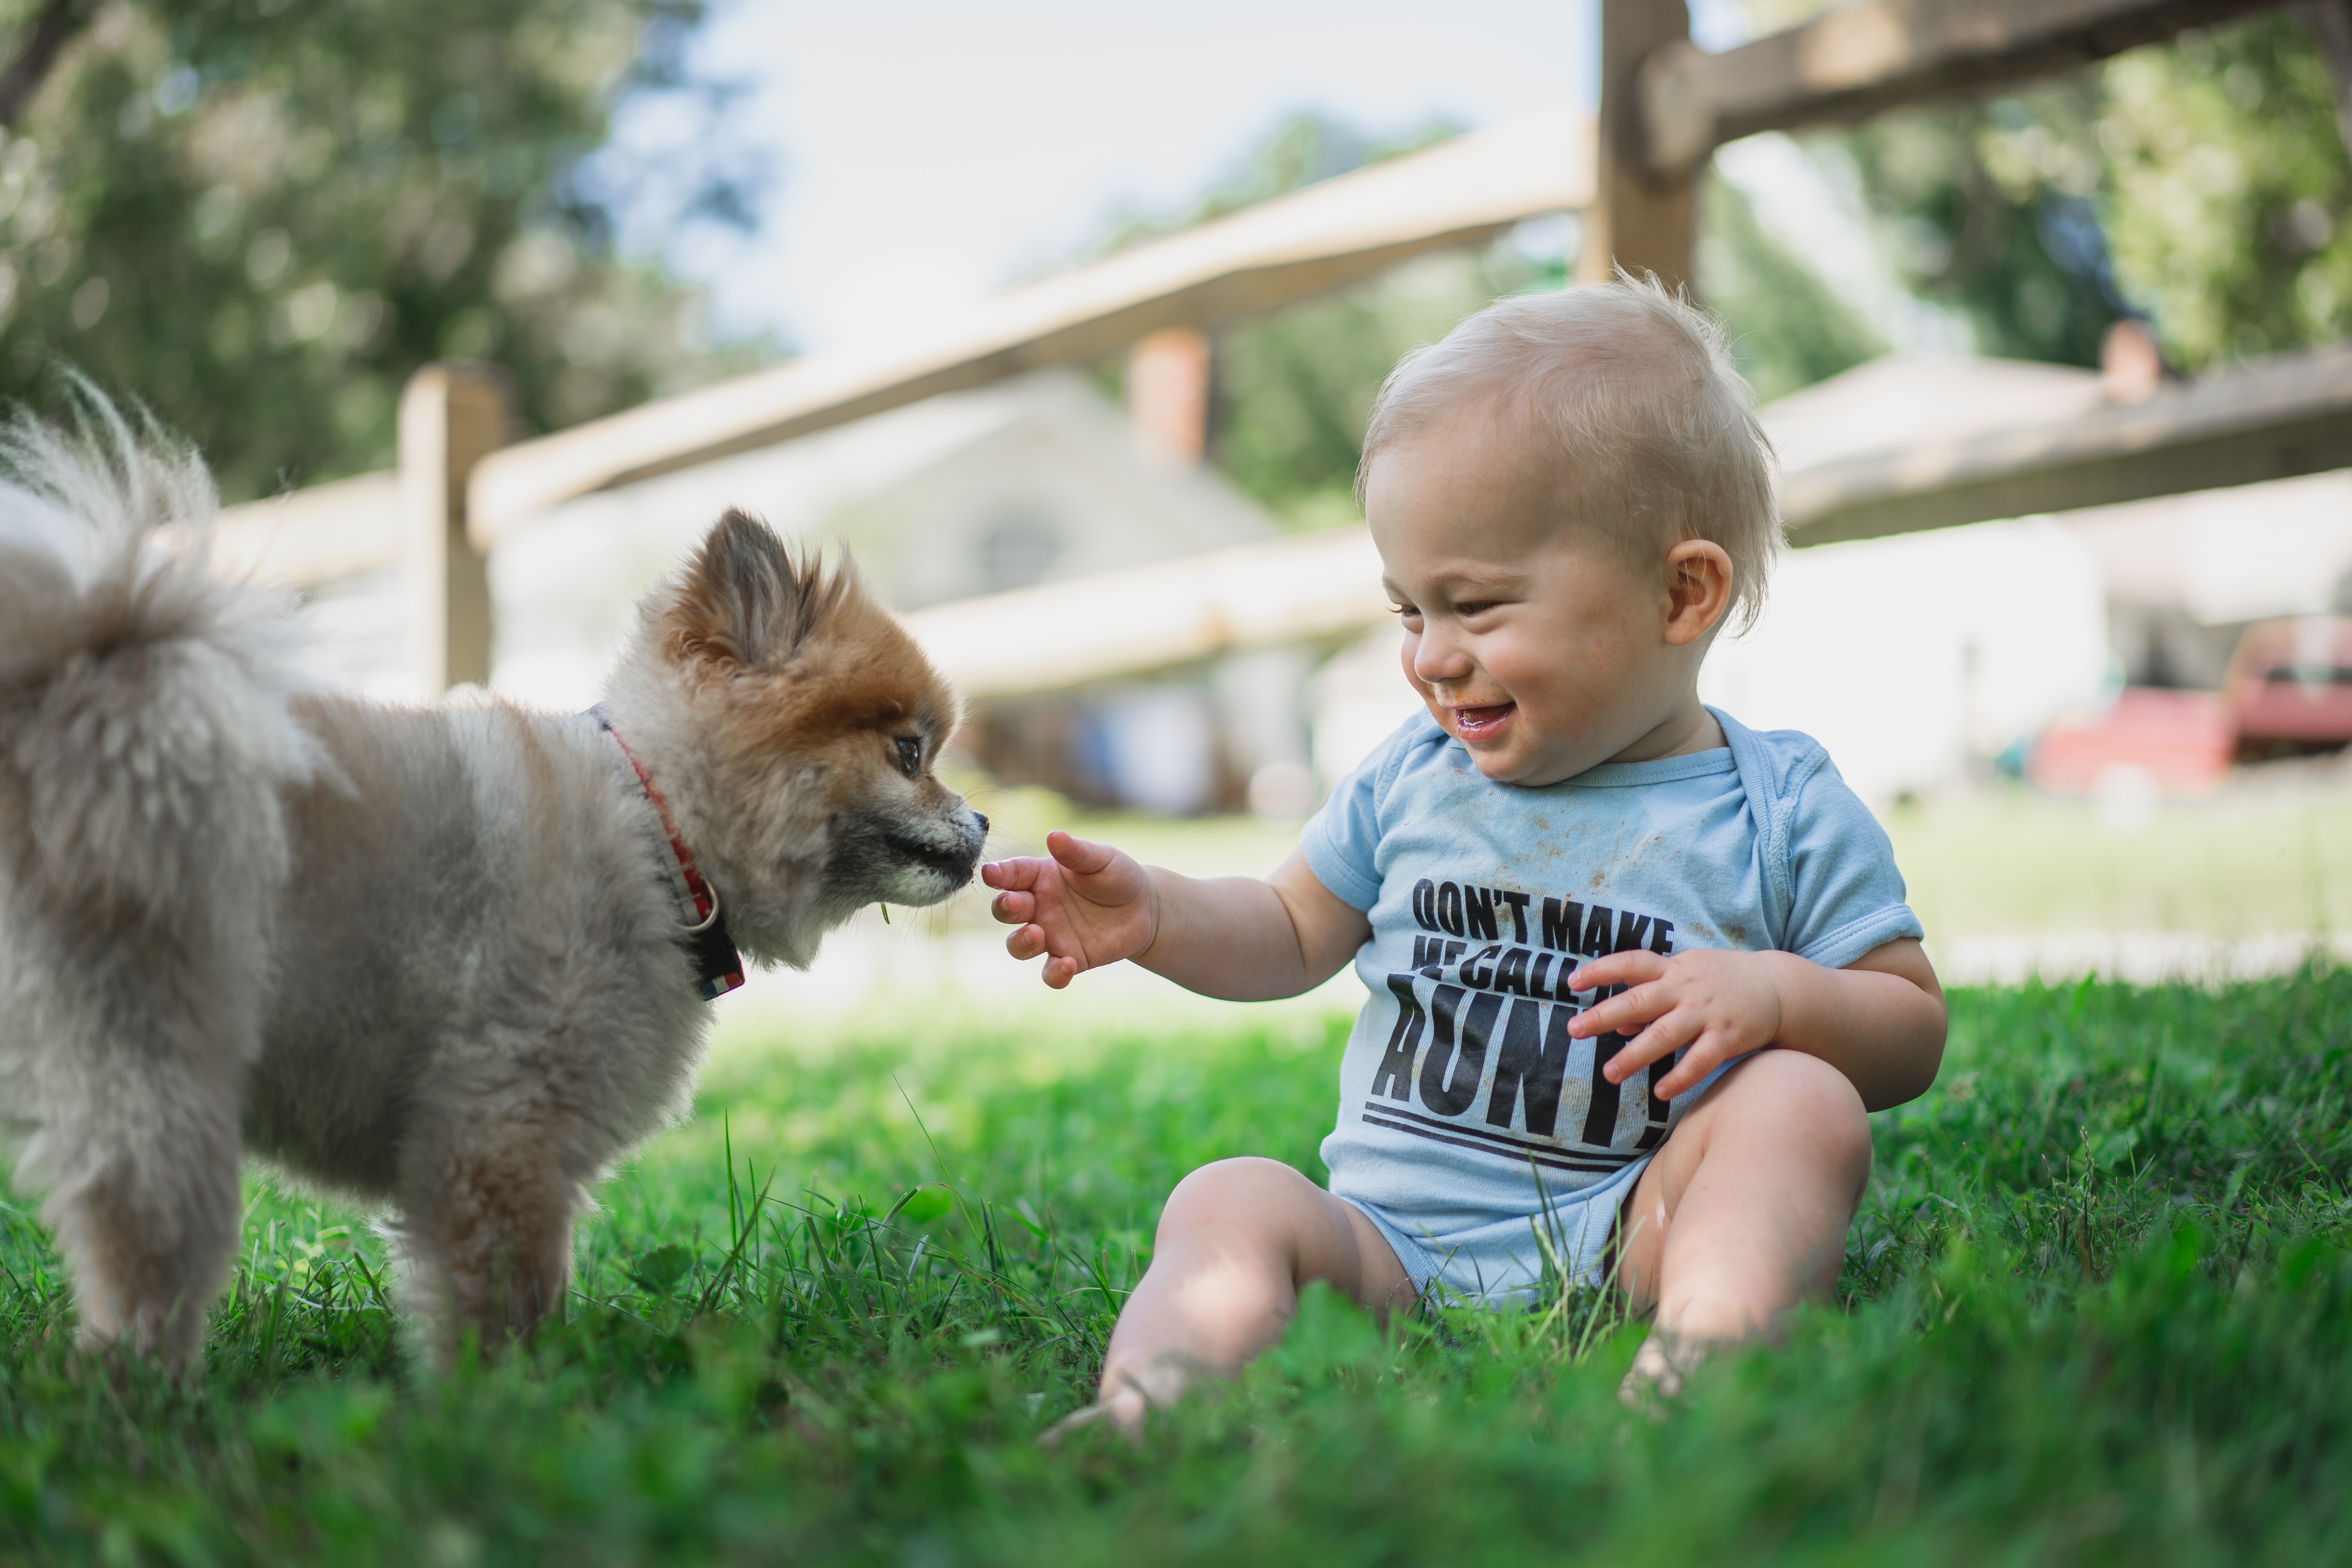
(1130, 1393)
(1661, 1369)
(1123, 1412)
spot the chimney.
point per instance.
(1168, 394)
(2131, 367)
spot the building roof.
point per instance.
(1035, 479)
(2222, 555)
(1900, 400)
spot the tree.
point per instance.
(2201, 184)
(1787, 328)
(1989, 211)
(2230, 191)
(259, 216)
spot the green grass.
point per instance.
(2268, 853)
(2098, 1307)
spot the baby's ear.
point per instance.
(744, 603)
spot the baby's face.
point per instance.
(1542, 648)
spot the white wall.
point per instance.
(1909, 656)
(1906, 658)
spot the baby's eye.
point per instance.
(910, 754)
(1475, 607)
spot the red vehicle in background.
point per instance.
(2287, 693)
(2289, 686)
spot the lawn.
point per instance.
(2098, 1307)
(2273, 852)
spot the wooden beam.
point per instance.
(1641, 217)
(312, 536)
(1459, 192)
(1877, 54)
(2270, 419)
(1063, 635)
(452, 415)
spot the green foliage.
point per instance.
(2231, 204)
(2098, 1307)
(260, 216)
(2204, 184)
(1786, 328)
(1990, 215)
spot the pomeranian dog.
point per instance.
(450, 963)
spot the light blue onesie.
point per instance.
(1473, 1129)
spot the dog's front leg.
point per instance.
(485, 1231)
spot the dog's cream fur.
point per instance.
(427, 960)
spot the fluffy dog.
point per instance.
(448, 961)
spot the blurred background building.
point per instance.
(1925, 662)
(1035, 480)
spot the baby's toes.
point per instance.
(1122, 1412)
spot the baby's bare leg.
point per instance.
(1236, 1243)
(1744, 1212)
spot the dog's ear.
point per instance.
(745, 603)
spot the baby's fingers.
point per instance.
(1619, 968)
(1013, 908)
(1623, 1014)
(1708, 1052)
(1027, 944)
(1080, 855)
(1663, 1037)
(1013, 874)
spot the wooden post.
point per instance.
(453, 413)
(1639, 220)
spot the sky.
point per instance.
(927, 152)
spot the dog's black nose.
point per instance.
(982, 821)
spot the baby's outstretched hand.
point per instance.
(1082, 905)
(1721, 1004)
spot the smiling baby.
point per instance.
(1637, 973)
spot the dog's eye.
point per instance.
(910, 754)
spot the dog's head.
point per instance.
(793, 724)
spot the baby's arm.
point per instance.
(1085, 905)
(1880, 1020)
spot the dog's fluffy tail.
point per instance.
(146, 744)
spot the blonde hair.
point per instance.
(1651, 429)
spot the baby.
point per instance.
(1637, 973)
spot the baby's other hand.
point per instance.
(1721, 1004)
(1083, 905)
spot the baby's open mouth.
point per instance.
(1482, 723)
